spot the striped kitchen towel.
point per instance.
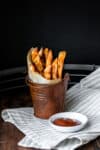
(84, 97)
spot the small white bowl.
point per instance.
(71, 115)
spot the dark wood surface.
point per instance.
(10, 135)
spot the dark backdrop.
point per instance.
(58, 25)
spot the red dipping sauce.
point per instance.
(66, 122)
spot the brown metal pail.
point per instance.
(48, 99)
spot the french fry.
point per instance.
(47, 72)
(41, 52)
(38, 63)
(49, 58)
(61, 57)
(54, 69)
(34, 53)
(46, 50)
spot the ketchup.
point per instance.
(67, 122)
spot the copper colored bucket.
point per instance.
(48, 99)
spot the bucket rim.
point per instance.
(29, 81)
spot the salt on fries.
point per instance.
(44, 64)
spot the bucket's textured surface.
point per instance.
(48, 99)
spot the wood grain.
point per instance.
(10, 135)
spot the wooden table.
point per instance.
(10, 135)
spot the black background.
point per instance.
(72, 26)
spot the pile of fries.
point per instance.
(44, 63)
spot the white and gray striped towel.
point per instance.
(84, 97)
